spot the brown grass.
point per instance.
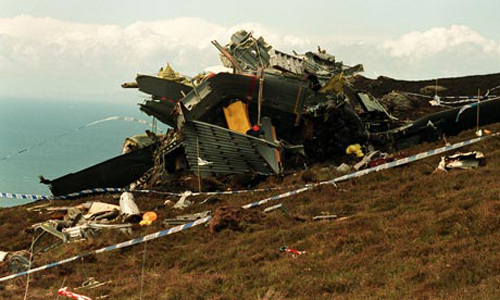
(408, 234)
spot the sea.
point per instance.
(48, 137)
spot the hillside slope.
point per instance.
(409, 233)
(455, 86)
(406, 232)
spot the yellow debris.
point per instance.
(335, 84)
(170, 74)
(354, 149)
(237, 118)
(148, 218)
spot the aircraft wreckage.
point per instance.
(269, 109)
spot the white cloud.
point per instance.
(423, 44)
(453, 51)
(53, 58)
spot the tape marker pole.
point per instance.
(113, 247)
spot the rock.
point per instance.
(344, 168)
(169, 203)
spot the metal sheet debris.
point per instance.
(114, 173)
(228, 151)
(92, 283)
(129, 209)
(183, 202)
(183, 219)
(468, 160)
(99, 208)
(3, 255)
(275, 207)
(325, 217)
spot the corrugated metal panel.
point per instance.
(286, 62)
(226, 151)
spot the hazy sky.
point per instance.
(85, 49)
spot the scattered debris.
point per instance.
(87, 230)
(148, 218)
(51, 227)
(183, 219)
(129, 209)
(92, 283)
(82, 222)
(140, 141)
(469, 160)
(39, 207)
(294, 253)
(354, 149)
(277, 206)
(100, 211)
(3, 255)
(210, 200)
(64, 292)
(183, 202)
(325, 217)
(373, 159)
(18, 261)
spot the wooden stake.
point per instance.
(478, 100)
(259, 98)
(198, 163)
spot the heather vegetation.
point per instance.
(407, 232)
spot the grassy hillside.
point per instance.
(408, 233)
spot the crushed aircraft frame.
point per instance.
(303, 105)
